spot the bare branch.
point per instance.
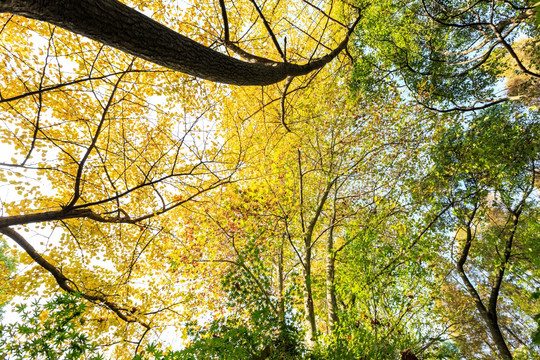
(76, 188)
(40, 99)
(283, 98)
(269, 30)
(325, 14)
(69, 83)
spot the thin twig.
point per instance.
(283, 98)
(270, 31)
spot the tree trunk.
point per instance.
(489, 315)
(281, 281)
(331, 302)
(311, 327)
(497, 336)
(112, 23)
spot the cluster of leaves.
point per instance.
(7, 267)
(48, 331)
(496, 146)
(448, 54)
(248, 326)
(485, 170)
(536, 333)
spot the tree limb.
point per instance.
(112, 23)
(64, 282)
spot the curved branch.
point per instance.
(225, 19)
(473, 107)
(513, 54)
(460, 267)
(114, 24)
(64, 282)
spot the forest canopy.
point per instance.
(248, 179)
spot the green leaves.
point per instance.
(495, 148)
(447, 57)
(536, 334)
(248, 328)
(484, 167)
(48, 331)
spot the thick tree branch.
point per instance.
(112, 23)
(85, 211)
(225, 20)
(44, 217)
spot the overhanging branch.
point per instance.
(112, 23)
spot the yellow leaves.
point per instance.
(138, 140)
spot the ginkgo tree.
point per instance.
(97, 150)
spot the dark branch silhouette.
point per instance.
(114, 24)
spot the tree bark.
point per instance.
(331, 302)
(488, 314)
(112, 23)
(308, 243)
(495, 330)
(281, 286)
(311, 328)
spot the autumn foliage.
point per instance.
(377, 199)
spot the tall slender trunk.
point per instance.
(307, 232)
(493, 321)
(331, 302)
(307, 235)
(281, 286)
(311, 328)
(497, 336)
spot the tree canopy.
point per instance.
(244, 179)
